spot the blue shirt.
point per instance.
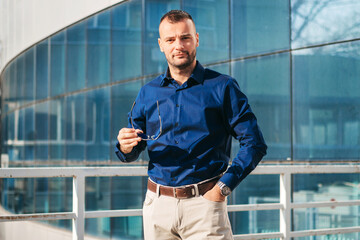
(199, 119)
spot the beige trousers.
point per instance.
(168, 218)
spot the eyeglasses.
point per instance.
(143, 135)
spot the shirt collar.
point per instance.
(197, 75)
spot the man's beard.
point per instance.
(190, 59)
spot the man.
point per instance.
(186, 118)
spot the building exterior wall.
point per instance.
(26, 22)
(65, 98)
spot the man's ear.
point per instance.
(159, 42)
(197, 39)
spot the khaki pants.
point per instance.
(168, 218)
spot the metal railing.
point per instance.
(285, 206)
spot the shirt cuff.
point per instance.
(129, 157)
(230, 180)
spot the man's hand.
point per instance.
(214, 194)
(128, 138)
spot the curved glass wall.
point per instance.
(65, 98)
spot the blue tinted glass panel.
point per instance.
(41, 130)
(326, 187)
(57, 129)
(5, 78)
(255, 222)
(41, 195)
(122, 98)
(75, 127)
(155, 61)
(212, 23)
(21, 124)
(266, 82)
(259, 26)
(56, 191)
(98, 198)
(41, 121)
(20, 131)
(221, 68)
(98, 125)
(327, 102)
(318, 22)
(98, 49)
(29, 132)
(42, 57)
(132, 187)
(20, 79)
(29, 75)
(126, 57)
(10, 123)
(57, 64)
(75, 57)
(11, 87)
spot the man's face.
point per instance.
(178, 41)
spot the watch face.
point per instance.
(225, 191)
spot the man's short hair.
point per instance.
(175, 16)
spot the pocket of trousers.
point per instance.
(212, 202)
(149, 198)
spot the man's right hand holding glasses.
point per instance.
(128, 138)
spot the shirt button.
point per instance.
(177, 105)
(176, 141)
(176, 124)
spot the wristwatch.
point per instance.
(225, 190)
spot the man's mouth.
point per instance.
(184, 54)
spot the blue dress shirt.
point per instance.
(199, 119)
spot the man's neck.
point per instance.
(182, 75)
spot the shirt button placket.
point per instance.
(176, 125)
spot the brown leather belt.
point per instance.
(188, 191)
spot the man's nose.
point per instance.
(179, 44)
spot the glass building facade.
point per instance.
(298, 61)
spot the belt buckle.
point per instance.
(193, 192)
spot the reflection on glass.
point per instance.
(10, 100)
(20, 79)
(212, 24)
(122, 97)
(318, 22)
(255, 222)
(256, 189)
(126, 56)
(98, 49)
(326, 187)
(259, 26)
(57, 64)
(41, 195)
(75, 57)
(75, 127)
(42, 70)
(221, 68)
(29, 132)
(41, 131)
(5, 91)
(29, 75)
(266, 82)
(127, 227)
(155, 61)
(326, 102)
(57, 129)
(57, 191)
(97, 125)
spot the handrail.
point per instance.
(285, 205)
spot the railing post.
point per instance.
(78, 207)
(285, 200)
